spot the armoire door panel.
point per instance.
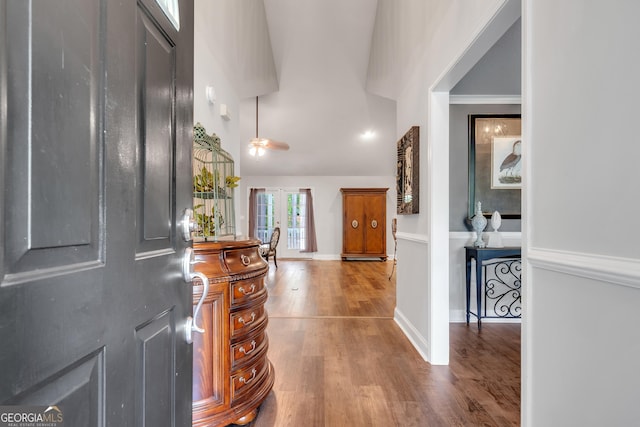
(375, 225)
(354, 224)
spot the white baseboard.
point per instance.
(337, 257)
(413, 335)
(326, 257)
(457, 316)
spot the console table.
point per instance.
(504, 288)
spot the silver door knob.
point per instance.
(188, 224)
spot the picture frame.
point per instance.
(494, 169)
(408, 174)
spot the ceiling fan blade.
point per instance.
(277, 145)
(261, 143)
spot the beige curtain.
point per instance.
(253, 211)
(311, 244)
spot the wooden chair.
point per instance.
(269, 249)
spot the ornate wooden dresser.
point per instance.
(231, 372)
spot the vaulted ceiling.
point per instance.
(321, 108)
(326, 72)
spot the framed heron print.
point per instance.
(495, 164)
(506, 162)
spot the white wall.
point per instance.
(327, 204)
(208, 71)
(581, 343)
(422, 293)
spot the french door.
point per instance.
(286, 208)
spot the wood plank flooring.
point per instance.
(341, 360)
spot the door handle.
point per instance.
(191, 324)
(188, 261)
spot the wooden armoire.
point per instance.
(364, 223)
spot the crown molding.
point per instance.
(485, 99)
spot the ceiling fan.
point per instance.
(258, 146)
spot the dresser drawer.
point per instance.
(242, 322)
(243, 291)
(244, 260)
(250, 348)
(247, 379)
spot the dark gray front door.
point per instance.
(95, 148)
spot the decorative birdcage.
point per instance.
(213, 184)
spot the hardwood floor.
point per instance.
(341, 360)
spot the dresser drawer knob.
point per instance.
(247, 381)
(247, 322)
(354, 223)
(374, 224)
(245, 260)
(248, 352)
(252, 289)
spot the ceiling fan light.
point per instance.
(253, 150)
(261, 151)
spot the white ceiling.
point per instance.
(321, 54)
(326, 72)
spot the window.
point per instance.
(171, 10)
(288, 210)
(296, 220)
(266, 215)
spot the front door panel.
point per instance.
(155, 72)
(95, 148)
(52, 95)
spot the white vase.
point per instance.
(496, 221)
(495, 239)
(479, 222)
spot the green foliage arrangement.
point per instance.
(232, 181)
(207, 223)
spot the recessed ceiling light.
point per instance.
(368, 134)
